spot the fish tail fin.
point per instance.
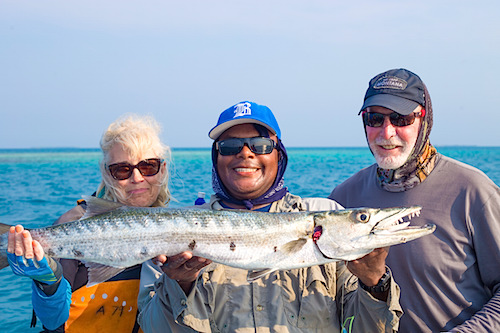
(4, 229)
(3, 260)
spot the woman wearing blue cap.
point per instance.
(249, 161)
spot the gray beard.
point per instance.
(391, 162)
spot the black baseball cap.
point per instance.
(397, 89)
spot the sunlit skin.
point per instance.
(247, 175)
(20, 243)
(391, 145)
(245, 172)
(139, 191)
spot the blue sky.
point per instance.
(69, 68)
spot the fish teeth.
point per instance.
(401, 226)
(417, 213)
(242, 239)
(391, 228)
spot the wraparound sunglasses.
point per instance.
(259, 145)
(375, 119)
(149, 167)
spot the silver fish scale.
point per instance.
(127, 236)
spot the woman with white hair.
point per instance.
(134, 173)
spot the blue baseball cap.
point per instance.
(245, 113)
(397, 89)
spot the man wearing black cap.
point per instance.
(450, 280)
(249, 161)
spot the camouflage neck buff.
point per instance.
(420, 162)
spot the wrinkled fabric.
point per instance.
(390, 181)
(314, 299)
(54, 316)
(274, 193)
(420, 162)
(52, 310)
(450, 280)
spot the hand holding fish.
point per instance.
(370, 268)
(21, 243)
(183, 267)
(110, 238)
(27, 258)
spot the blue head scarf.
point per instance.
(274, 193)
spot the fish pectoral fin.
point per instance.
(96, 206)
(255, 275)
(98, 273)
(294, 246)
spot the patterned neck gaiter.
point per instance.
(420, 163)
(274, 193)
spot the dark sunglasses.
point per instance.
(375, 119)
(149, 167)
(259, 145)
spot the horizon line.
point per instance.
(208, 148)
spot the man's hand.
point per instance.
(370, 268)
(183, 267)
(27, 258)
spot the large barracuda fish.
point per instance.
(111, 237)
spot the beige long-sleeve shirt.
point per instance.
(314, 299)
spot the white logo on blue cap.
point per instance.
(242, 109)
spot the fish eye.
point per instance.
(362, 217)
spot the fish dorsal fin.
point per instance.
(98, 273)
(255, 275)
(96, 206)
(294, 246)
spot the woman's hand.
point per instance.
(27, 258)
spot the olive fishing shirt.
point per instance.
(450, 280)
(314, 299)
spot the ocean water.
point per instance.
(39, 185)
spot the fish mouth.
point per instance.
(365, 229)
(391, 220)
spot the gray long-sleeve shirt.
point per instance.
(450, 279)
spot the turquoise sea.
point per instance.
(38, 185)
